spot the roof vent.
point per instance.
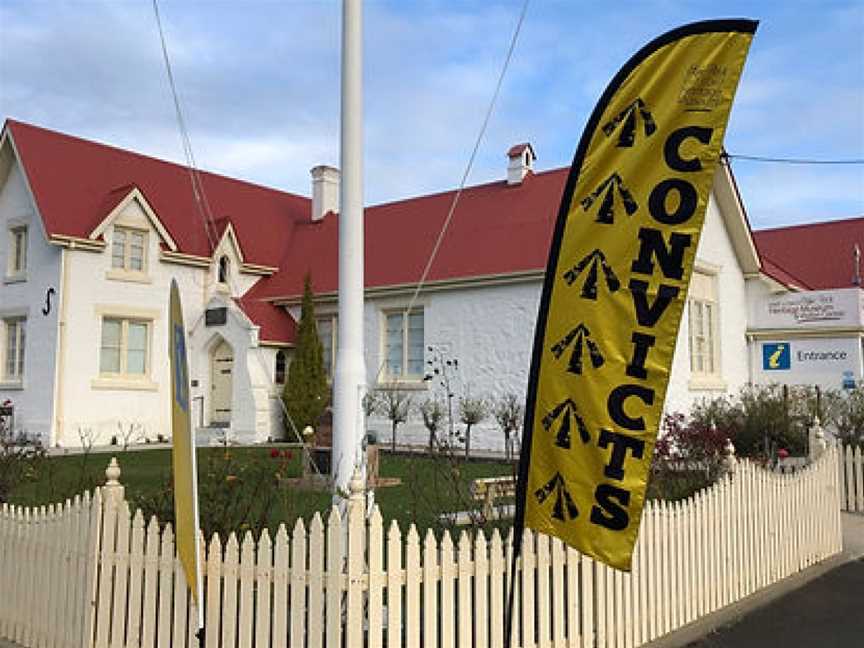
(325, 191)
(521, 158)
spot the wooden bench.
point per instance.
(489, 489)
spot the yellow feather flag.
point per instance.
(616, 284)
(183, 458)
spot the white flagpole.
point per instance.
(350, 374)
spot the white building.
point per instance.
(93, 236)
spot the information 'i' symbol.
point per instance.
(563, 499)
(593, 262)
(562, 414)
(580, 339)
(627, 136)
(609, 188)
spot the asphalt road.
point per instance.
(828, 612)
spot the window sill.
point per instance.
(707, 383)
(9, 385)
(116, 274)
(15, 278)
(124, 384)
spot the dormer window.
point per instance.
(128, 249)
(224, 267)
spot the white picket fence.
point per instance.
(852, 480)
(90, 573)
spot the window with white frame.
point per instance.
(17, 250)
(703, 319)
(14, 343)
(327, 334)
(128, 249)
(403, 345)
(124, 348)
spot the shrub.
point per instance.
(395, 404)
(849, 420)
(508, 412)
(471, 412)
(688, 456)
(432, 412)
(20, 459)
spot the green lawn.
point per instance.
(246, 488)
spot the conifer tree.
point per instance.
(307, 393)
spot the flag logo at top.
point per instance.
(616, 284)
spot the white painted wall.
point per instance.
(92, 406)
(253, 392)
(715, 250)
(490, 330)
(34, 399)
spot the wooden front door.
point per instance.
(221, 368)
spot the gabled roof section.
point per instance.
(75, 181)
(118, 200)
(819, 255)
(734, 215)
(275, 325)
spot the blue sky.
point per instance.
(259, 82)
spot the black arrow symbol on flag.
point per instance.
(578, 337)
(606, 213)
(628, 132)
(563, 412)
(592, 261)
(562, 498)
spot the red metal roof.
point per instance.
(76, 183)
(817, 255)
(274, 322)
(496, 229)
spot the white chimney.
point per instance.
(325, 191)
(521, 161)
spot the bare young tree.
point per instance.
(129, 433)
(395, 404)
(508, 413)
(471, 412)
(432, 412)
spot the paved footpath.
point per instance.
(826, 613)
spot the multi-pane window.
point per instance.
(124, 347)
(704, 341)
(327, 334)
(17, 250)
(403, 345)
(128, 249)
(14, 344)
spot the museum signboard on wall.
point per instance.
(816, 309)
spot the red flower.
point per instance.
(782, 453)
(274, 453)
(287, 454)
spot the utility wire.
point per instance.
(203, 206)
(774, 160)
(194, 177)
(470, 164)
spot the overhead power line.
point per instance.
(776, 160)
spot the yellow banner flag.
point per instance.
(184, 465)
(616, 284)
